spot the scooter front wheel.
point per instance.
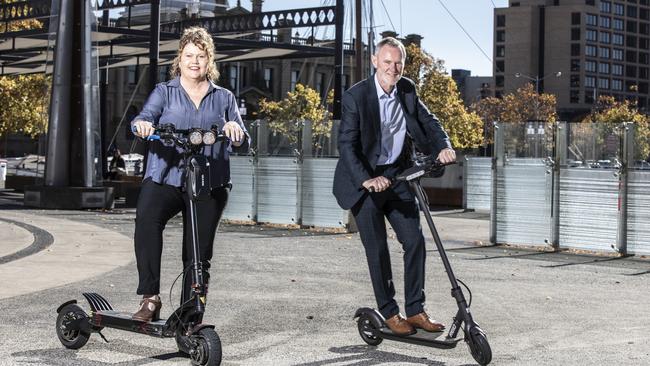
(208, 348)
(479, 347)
(366, 328)
(69, 336)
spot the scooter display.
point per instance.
(193, 337)
(371, 324)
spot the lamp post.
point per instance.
(530, 131)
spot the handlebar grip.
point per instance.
(152, 138)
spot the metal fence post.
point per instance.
(627, 140)
(498, 160)
(560, 155)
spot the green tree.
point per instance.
(439, 93)
(285, 117)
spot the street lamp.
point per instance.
(537, 79)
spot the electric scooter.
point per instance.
(193, 337)
(371, 324)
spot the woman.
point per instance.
(190, 99)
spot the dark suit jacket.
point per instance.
(359, 137)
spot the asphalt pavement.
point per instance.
(283, 296)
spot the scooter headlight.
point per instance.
(196, 137)
(209, 137)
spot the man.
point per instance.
(380, 116)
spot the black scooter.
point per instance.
(371, 323)
(200, 341)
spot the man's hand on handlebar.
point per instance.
(447, 156)
(234, 132)
(377, 184)
(143, 129)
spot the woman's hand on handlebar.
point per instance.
(447, 156)
(143, 129)
(234, 132)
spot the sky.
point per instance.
(443, 37)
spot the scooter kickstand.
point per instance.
(104, 338)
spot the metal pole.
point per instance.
(626, 157)
(498, 162)
(358, 44)
(89, 115)
(58, 135)
(338, 60)
(154, 42)
(561, 135)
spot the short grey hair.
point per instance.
(393, 42)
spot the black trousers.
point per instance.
(398, 205)
(157, 203)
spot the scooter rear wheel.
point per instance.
(208, 348)
(71, 338)
(479, 347)
(366, 327)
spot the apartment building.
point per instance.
(575, 49)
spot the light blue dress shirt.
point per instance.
(393, 125)
(169, 103)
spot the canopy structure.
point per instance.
(63, 37)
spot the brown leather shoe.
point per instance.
(149, 310)
(399, 326)
(423, 321)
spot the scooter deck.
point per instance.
(124, 321)
(421, 337)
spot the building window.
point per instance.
(603, 68)
(498, 81)
(643, 88)
(630, 41)
(631, 11)
(590, 96)
(617, 84)
(501, 51)
(604, 37)
(590, 81)
(591, 35)
(617, 54)
(575, 65)
(268, 77)
(592, 19)
(575, 18)
(132, 74)
(320, 83)
(617, 39)
(575, 81)
(575, 34)
(294, 80)
(605, 6)
(643, 43)
(590, 66)
(501, 36)
(501, 20)
(574, 97)
(619, 9)
(631, 26)
(603, 83)
(618, 24)
(605, 22)
(590, 2)
(630, 71)
(500, 66)
(603, 52)
(589, 50)
(643, 73)
(643, 58)
(630, 56)
(617, 69)
(644, 28)
(644, 14)
(575, 49)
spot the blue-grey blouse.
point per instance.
(169, 103)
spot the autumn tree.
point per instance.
(609, 113)
(439, 93)
(287, 116)
(24, 98)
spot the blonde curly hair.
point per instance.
(201, 39)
